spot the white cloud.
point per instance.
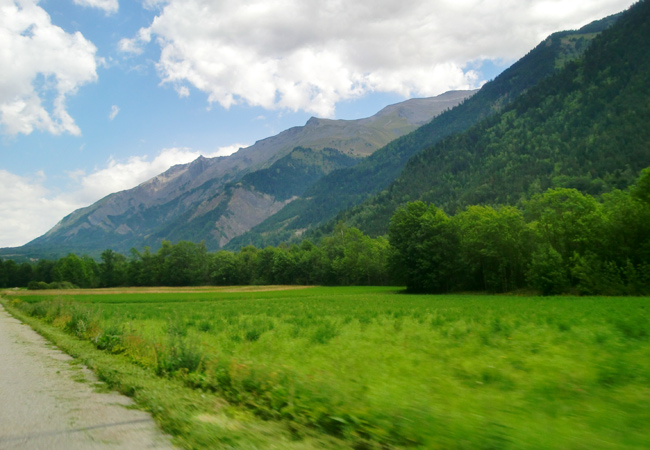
(228, 150)
(130, 46)
(182, 91)
(28, 209)
(45, 62)
(311, 54)
(135, 45)
(114, 110)
(110, 6)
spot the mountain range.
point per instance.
(216, 199)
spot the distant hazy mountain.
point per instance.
(346, 188)
(211, 199)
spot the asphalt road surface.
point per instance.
(44, 405)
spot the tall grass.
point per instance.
(381, 369)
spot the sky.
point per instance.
(97, 96)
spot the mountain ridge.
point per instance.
(131, 217)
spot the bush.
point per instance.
(37, 285)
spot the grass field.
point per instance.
(373, 368)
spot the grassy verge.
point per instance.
(195, 419)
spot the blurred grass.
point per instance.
(380, 369)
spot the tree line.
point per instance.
(346, 257)
(557, 242)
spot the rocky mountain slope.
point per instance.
(201, 200)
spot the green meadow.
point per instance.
(371, 367)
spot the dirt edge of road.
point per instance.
(50, 400)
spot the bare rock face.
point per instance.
(247, 208)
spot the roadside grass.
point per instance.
(367, 367)
(196, 420)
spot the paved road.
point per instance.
(43, 407)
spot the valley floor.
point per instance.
(363, 367)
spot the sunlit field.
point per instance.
(376, 368)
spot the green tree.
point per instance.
(641, 190)
(424, 248)
(546, 272)
(8, 272)
(223, 269)
(493, 247)
(246, 264)
(112, 269)
(43, 270)
(264, 270)
(144, 268)
(569, 222)
(184, 263)
(79, 271)
(284, 267)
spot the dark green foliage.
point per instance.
(80, 271)
(110, 339)
(565, 242)
(562, 241)
(584, 127)
(293, 174)
(547, 272)
(179, 355)
(425, 245)
(113, 269)
(494, 247)
(184, 264)
(641, 190)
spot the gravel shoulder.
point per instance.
(48, 401)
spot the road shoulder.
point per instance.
(50, 401)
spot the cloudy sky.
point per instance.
(97, 96)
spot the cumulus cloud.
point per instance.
(114, 110)
(311, 54)
(46, 63)
(110, 6)
(23, 199)
(135, 45)
(27, 209)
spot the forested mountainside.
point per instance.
(585, 127)
(345, 188)
(202, 190)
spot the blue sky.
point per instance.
(99, 95)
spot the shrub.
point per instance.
(37, 285)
